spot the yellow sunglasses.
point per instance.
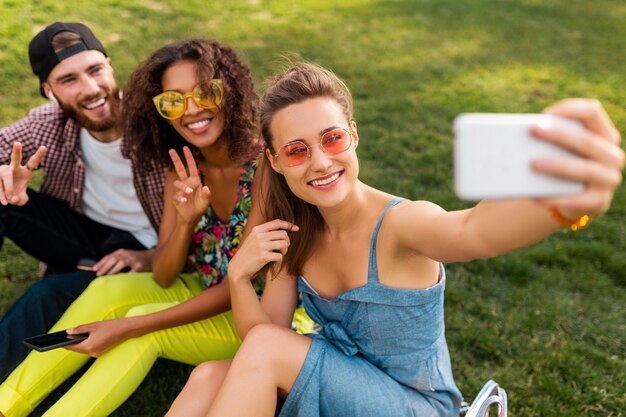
(207, 95)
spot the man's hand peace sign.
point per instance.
(14, 178)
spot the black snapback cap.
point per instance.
(42, 56)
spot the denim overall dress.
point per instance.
(381, 352)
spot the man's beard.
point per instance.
(113, 120)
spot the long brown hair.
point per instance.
(151, 137)
(297, 84)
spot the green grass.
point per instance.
(547, 322)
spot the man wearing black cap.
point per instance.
(94, 202)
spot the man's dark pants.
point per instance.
(49, 230)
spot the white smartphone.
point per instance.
(493, 155)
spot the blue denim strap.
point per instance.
(372, 269)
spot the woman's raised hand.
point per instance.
(191, 198)
(602, 163)
(268, 242)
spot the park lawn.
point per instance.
(546, 322)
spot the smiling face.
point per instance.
(200, 127)
(86, 90)
(324, 179)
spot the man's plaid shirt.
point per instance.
(63, 166)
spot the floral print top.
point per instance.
(214, 243)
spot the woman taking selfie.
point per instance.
(369, 264)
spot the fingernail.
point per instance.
(542, 164)
(539, 130)
(539, 201)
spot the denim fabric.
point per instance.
(35, 312)
(381, 352)
(52, 232)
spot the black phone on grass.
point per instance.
(48, 341)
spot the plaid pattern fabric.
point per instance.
(63, 166)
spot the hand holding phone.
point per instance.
(493, 156)
(86, 264)
(44, 342)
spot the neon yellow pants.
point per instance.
(114, 376)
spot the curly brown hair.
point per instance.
(150, 137)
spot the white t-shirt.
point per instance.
(109, 196)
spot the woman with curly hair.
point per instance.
(193, 98)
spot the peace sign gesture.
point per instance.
(191, 198)
(14, 178)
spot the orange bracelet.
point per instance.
(574, 225)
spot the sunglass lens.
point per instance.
(336, 141)
(293, 153)
(171, 105)
(209, 94)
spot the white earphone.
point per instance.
(51, 96)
